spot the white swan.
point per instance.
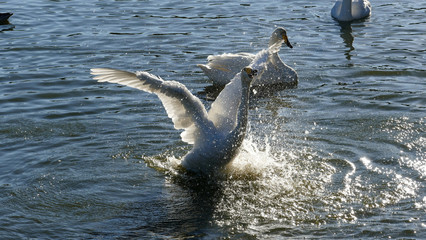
(349, 10)
(216, 136)
(220, 69)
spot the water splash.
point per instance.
(261, 184)
(252, 162)
(273, 186)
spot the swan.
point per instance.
(217, 135)
(349, 10)
(220, 69)
(5, 16)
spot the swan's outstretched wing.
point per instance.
(223, 112)
(186, 111)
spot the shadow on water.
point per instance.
(183, 209)
(186, 210)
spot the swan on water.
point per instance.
(349, 10)
(216, 135)
(220, 69)
(5, 16)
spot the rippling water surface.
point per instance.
(340, 156)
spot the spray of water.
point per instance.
(271, 185)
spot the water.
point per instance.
(340, 156)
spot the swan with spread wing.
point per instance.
(216, 135)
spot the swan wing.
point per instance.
(361, 9)
(220, 69)
(186, 111)
(335, 11)
(230, 62)
(223, 111)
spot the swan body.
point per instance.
(215, 135)
(349, 10)
(220, 69)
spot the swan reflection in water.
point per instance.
(347, 30)
(348, 38)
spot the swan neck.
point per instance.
(274, 40)
(240, 129)
(271, 42)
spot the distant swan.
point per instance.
(349, 10)
(220, 69)
(5, 16)
(217, 135)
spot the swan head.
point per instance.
(247, 75)
(279, 35)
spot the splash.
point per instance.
(263, 183)
(252, 162)
(270, 184)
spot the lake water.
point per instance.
(342, 155)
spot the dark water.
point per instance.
(340, 156)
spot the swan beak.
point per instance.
(250, 72)
(287, 42)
